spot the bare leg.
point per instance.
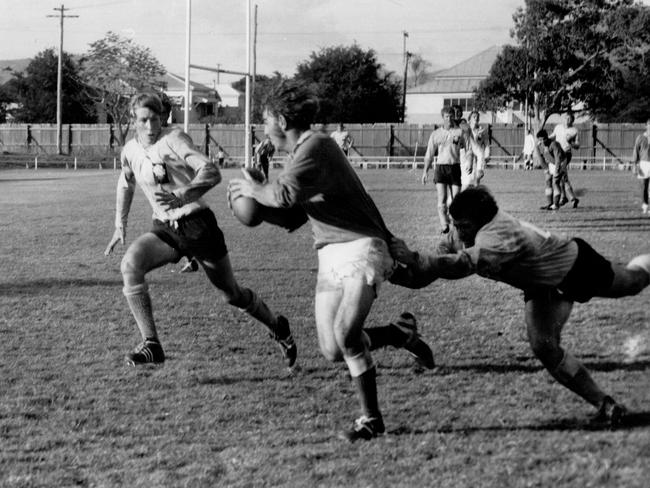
(545, 317)
(443, 215)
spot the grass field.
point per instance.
(222, 411)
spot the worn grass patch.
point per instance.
(223, 412)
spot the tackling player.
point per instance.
(351, 240)
(553, 272)
(174, 176)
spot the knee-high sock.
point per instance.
(257, 309)
(140, 304)
(366, 385)
(573, 375)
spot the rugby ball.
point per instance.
(247, 210)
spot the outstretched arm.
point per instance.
(123, 199)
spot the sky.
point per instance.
(443, 32)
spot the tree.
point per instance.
(263, 85)
(630, 26)
(562, 59)
(418, 69)
(115, 68)
(351, 85)
(35, 91)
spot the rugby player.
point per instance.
(567, 136)
(351, 240)
(174, 176)
(553, 272)
(641, 161)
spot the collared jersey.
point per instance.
(446, 144)
(506, 249)
(161, 166)
(319, 178)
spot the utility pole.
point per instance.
(407, 56)
(404, 36)
(59, 76)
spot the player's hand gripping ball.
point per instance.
(247, 210)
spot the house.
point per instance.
(206, 103)
(453, 86)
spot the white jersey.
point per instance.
(163, 166)
(566, 136)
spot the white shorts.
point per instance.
(368, 257)
(644, 170)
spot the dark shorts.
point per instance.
(590, 276)
(198, 235)
(447, 174)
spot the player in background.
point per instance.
(343, 139)
(174, 176)
(528, 150)
(445, 142)
(554, 159)
(567, 135)
(641, 161)
(553, 272)
(351, 240)
(476, 153)
(263, 155)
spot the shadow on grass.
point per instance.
(631, 421)
(36, 287)
(605, 366)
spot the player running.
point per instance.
(351, 240)
(553, 272)
(174, 176)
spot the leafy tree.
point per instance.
(35, 90)
(352, 85)
(115, 68)
(263, 85)
(562, 59)
(418, 69)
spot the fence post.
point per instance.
(594, 139)
(75, 163)
(391, 140)
(29, 137)
(69, 138)
(35, 162)
(206, 143)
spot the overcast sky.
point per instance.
(444, 32)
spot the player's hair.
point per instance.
(474, 112)
(295, 102)
(542, 133)
(147, 100)
(476, 204)
(445, 110)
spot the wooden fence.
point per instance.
(372, 142)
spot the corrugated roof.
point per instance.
(462, 77)
(176, 83)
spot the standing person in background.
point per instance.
(641, 161)
(221, 157)
(476, 153)
(528, 150)
(263, 155)
(444, 143)
(343, 139)
(567, 136)
(174, 176)
(554, 159)
(351, 240)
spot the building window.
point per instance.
(467, 104)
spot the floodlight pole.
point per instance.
(188, 26)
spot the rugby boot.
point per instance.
(285, 341)
(147, 352)
(413, 343)
(365, 428)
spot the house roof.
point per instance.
(463, 77)
(177, 83)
